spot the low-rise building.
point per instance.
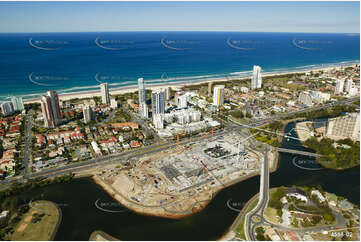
(345, 205)
(331, 199)
(297, 193)
(126, 125)
(96, 148)
(320, 197)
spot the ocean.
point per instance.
(32, 63)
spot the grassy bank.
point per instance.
(251, 204)
(38, 224)
(339, 155)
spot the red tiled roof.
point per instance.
(5, 161)
(110, 140)
(14, 129)
(135, 144)
(127, 124)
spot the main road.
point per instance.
(261, 122)
(257, 212)
(115, 158)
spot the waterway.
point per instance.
(81, 198)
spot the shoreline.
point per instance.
(103, 235)
(180, 84)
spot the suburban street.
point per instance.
(159, 146)
(28, 140)
(115, 158)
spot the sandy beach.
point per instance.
(133, 88)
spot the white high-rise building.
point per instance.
(141, 91)
(256, 81)
(339, 86)
(144, 111)
(158, 102)
(51, 109)
(210, 88)
(167, 93)
(113, 103)
(353, 91)
(305, 98)
(218, 95)
(182, 101)
(17, 103)
(158, 121)
(347, 126)
(244, 89)
(104, 89)
(7, 108)
(348, 86)
(88, 114)
(195, 116)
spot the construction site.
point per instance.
(183, 180)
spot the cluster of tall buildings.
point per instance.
(308, 98)
(183, 116)
(345, 86)
(158, 99)
(256, 81)
(51, 109)
(8, 108)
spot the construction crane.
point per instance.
(241, 141)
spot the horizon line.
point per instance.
(139, 31)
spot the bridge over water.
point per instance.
(298, 152)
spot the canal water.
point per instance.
(86, 207)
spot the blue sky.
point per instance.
(328, 17)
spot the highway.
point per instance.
(110, 159)
(256, 218)
(261, 122)
(257, 212)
